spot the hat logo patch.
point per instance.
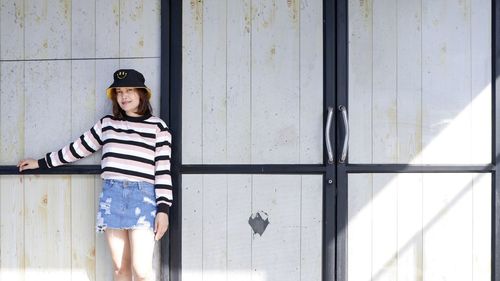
(121, 74)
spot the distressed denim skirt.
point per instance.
(126, 205)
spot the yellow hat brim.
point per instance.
(109, 91)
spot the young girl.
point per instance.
(137, 187)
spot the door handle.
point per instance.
(327, 135)
(343, 156)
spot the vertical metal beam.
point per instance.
(171, 103)
(495, 207)
(342, 99)
(329, 78)
(165, 116)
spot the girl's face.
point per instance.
(128, 99)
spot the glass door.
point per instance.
(415, 189)
(251, 124)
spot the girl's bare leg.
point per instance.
(142, 246)
(119, 245)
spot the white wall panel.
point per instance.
(214, 99)
(12, 22)
(275, 82)
(238, 81)
(419, 227)
(218, 240)
(108, 34)
(11, 112)
(12, 228)
(47, 29)
(140, 28)
(192, 81)
(419, 82)
(257, 80)
(83, 29)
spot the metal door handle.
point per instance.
(327, 134)
(343, 156)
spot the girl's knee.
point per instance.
(143, 274)
(122, 271)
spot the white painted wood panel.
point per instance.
(11, 112)
(214, 227)
(447, 234)
(446, 80)
(360, 81)
(218, 241)
(238, 81)
(239, 234)
(83, 103)
(275, 82)
(214, 99)
(384, 107)
(409, 227)
(192, 81)
(419, 82)
(276, 254)
(192, 227)
(419, 227)
(311, 82)
(47, 106)
(83, 29)
(481, 227)
(82, 212)
(359, 229)
(481, 95)
(384, 227)
(12, 29)
(311, 228)
(47, 228)
(140, 28)
(12, 247)
(409, 81)
(108, 34)
(47, 29)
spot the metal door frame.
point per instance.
(172, 91)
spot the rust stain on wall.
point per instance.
(116, 13)
(366, 8)
(67, 10)
(137, 13)
(248, 17)
(293, 6)
(197, 12)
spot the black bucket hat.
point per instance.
(129, 78)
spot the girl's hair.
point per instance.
(144, 107)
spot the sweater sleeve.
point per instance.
(85, 145)
(163, 180)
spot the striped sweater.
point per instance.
(134, 149)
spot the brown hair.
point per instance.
(144, 107)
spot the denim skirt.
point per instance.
(126, 205)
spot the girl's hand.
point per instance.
(27, 164)
(161, 225)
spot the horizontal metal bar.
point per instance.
(63, 170)
(405, 168)
(270, 169)
(253, 169)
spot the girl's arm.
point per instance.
(163, 181)
(85, 145)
